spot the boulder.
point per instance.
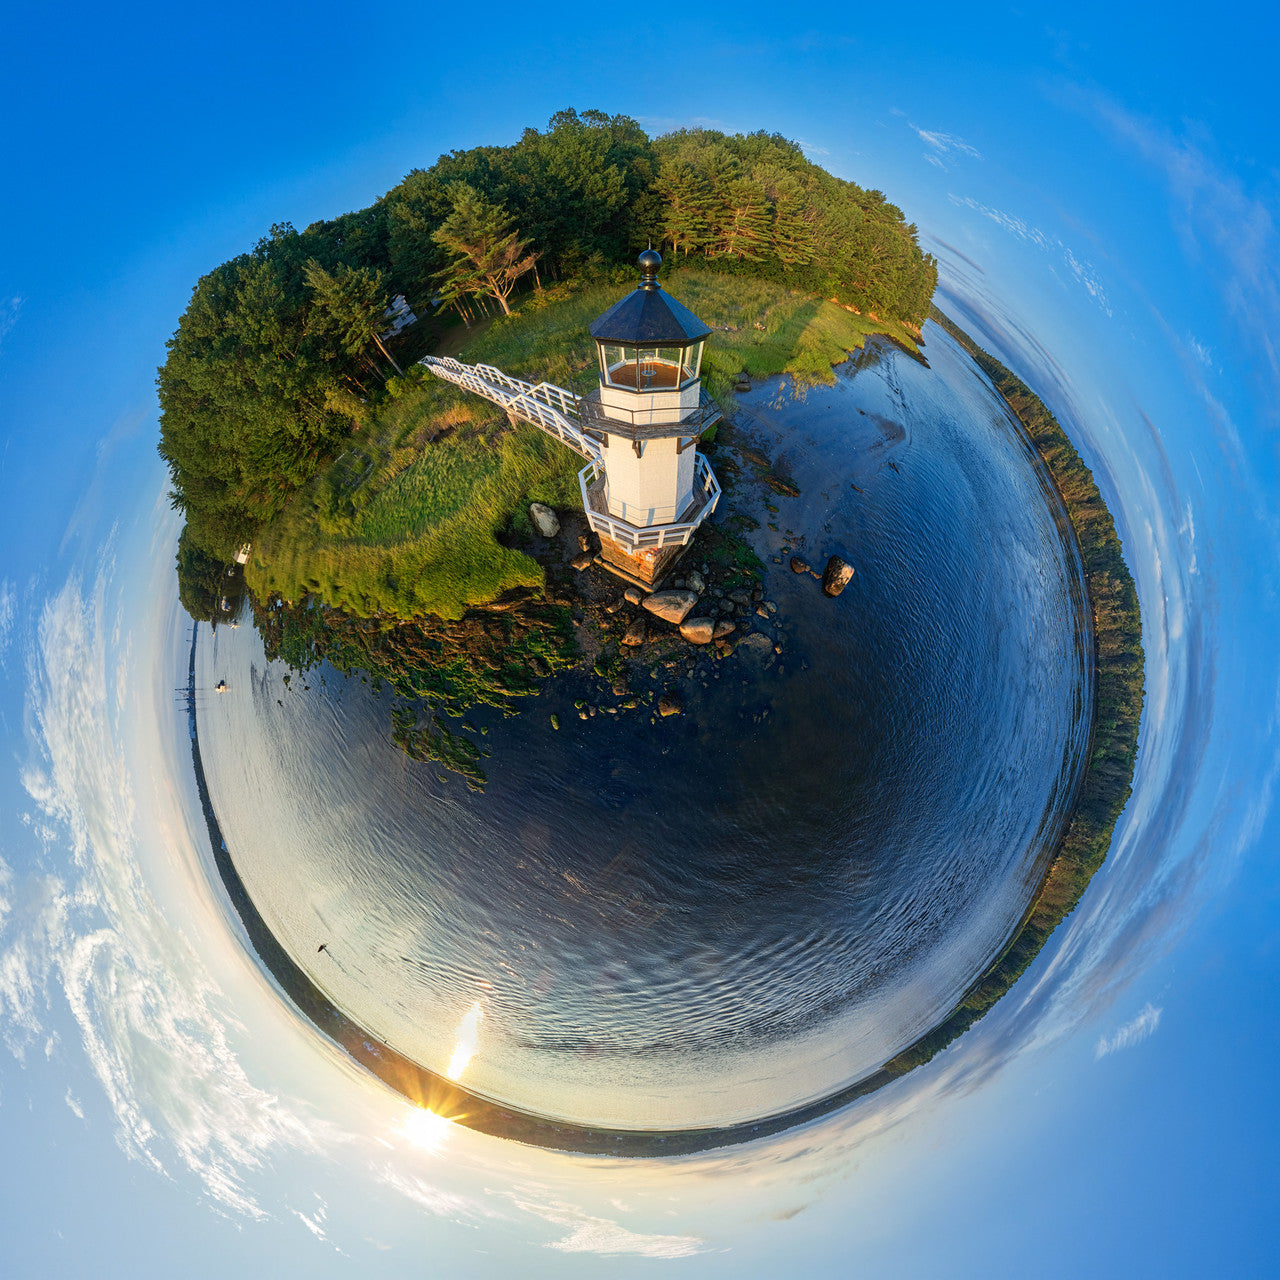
(740, 596)
(670, 704)
(584, 543)
(835, 577)
(798, 565)
(544, 519)
(633, 595)
(756, 646)
(696, 582)
(584, 561)
(670, 606)
(724, 628)
(698, 630)
(614, 605)
(635, 633)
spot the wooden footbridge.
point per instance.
(554, 410)
(547, 406)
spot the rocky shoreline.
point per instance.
(629, 651)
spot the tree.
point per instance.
(352, 302)
(487, 257)
(745, 220)
(204, 581)
(688, 200)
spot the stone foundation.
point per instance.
(643, 569)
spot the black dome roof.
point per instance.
(648, 314)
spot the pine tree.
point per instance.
(486, 256)
(791, 230)
(352, 302)
(745, 220)
(688, 202)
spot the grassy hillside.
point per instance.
(408, 520)
(758, 327)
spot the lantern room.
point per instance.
(649, 347)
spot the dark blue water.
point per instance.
(711, 918)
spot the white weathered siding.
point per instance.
(655, 488)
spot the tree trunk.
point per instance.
(388, 354)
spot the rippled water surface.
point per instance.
(722, 916)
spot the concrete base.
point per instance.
(645, 569)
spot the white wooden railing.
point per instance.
(637, 538)
(555, 411)
(545, 405)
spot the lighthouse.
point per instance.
(645, 488)
(652, 487)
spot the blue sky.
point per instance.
(1101, 190)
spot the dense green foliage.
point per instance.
(755, 203)
(278, 358)
(485, 256)
(204, 581)
(1118, 666)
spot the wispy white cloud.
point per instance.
(601, 1236)
(1201, 352)
(154, 1028)
(9, 309)
(1135, 1031)
(315, 1222)
(1216, 217)
(6, 892)
(943, 147)
(1081, 270)
(38, 903)
(431, 1197)
(8, 612)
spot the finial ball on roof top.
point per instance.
(650, 260)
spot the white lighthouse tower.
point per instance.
(645, 488)
(648, 413)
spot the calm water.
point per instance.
(718, 917)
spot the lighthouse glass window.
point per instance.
(649, 368)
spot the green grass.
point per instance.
(406, 522)
(757, 328)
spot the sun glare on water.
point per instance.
(468, 1035)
